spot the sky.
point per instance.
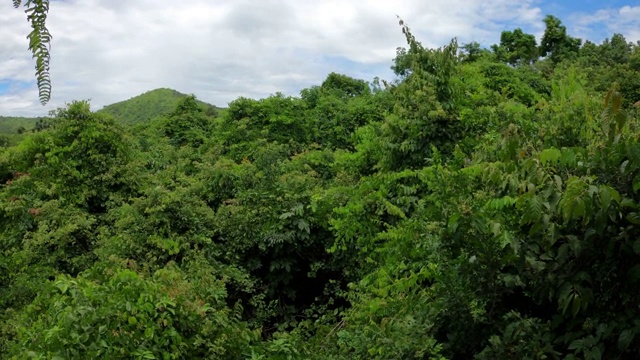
(107, 51)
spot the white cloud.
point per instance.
(605, 22)
(111, 50)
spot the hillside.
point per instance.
(139, 108)
(149, 105)
(11, 125)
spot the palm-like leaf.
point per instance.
(39, 43)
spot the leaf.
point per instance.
(533, 208)
(304, 225)
(633, 218)
(568, 158)
(625, 339)
(574, 201)
(623, 167)
(564, 296)
(39, 42)
(63, 285)
(550, 156)
(596, 353)
(496, 227)
(608, 194)
(577, 344)
(575, 304)
(575, 244)
(558, 181)
(286, 215)
(452, 224)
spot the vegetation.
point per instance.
(483, 205)
(13, 125)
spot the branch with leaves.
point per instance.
(39, 43)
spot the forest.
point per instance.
(485, 204)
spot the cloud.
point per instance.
(603, 23)
(111, 50)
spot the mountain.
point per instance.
(150, 105)
(137, 109)
(12, 125)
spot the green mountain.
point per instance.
(139, 108)
(15, 124)
(150, 105)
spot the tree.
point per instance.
(425, 114)
(471, 51)
(555, 41)
(517, 47)
(615, 50)
(39, 43)
(187, 124)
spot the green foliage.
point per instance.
(556, 43)
(523, 338)
(482, 205)
(121, 314)
(345, 85)
(517, 48)
(57, 185)
(187, 124)
(425, 114)
(77, 158)
(472, 52)
(340, 106)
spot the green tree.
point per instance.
(556, 43)
(57, 185)
(472, 51)
(516, 47)
(616, 50)
(187, 124)
(425, 114)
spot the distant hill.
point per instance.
(150, 105)
(12, 125)
(137, 109)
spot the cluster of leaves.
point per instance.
(484, 205)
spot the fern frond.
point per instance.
(39, 44)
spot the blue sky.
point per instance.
(4, 86)
(564, 8)
(9, 85)
(571, 12)
(111, 50)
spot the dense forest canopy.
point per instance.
(485, 204)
